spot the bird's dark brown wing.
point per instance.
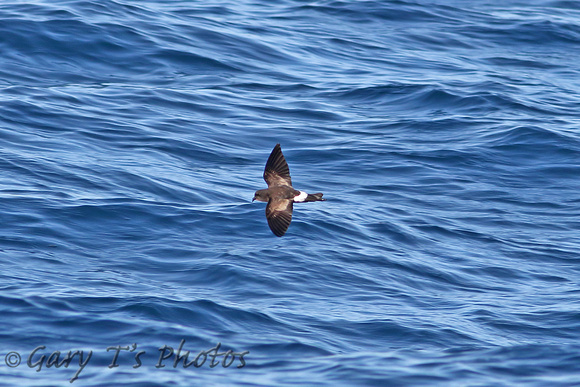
(279, 215)
(277, 171)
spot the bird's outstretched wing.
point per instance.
(279, 215)
(277, 171)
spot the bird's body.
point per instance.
(280, 195)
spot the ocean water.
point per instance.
(444, 134)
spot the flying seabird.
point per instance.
(280, 194)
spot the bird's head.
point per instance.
(261, 196)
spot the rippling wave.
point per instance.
(444, 135)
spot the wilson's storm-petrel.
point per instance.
(280, 194)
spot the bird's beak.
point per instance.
(254, 198)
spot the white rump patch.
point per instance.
(302, 197)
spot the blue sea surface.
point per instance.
(445, 136)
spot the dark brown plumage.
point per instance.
(280, 194)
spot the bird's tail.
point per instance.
(317, 197)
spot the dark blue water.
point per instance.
(444, 134)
